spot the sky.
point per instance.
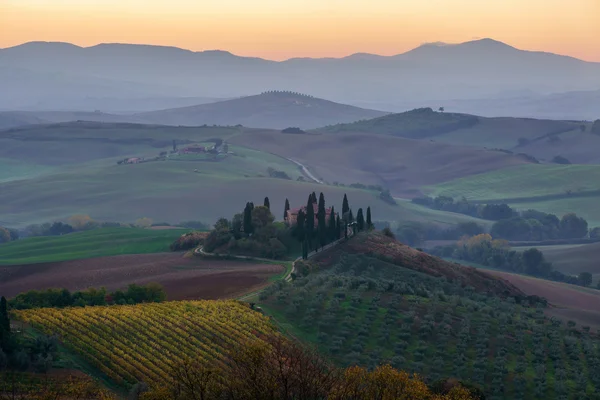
(281, 29)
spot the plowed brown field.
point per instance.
(182, 278)
(568, 301)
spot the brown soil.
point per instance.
(568, 302)
(182, 277)
(558, 293)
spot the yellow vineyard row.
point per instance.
(139, 342)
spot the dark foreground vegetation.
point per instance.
(366, 311)
(280, 369)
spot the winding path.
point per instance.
(287, 277)
(306, 172)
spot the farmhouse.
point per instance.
(133, 160)
(292, 214)
(193, 149)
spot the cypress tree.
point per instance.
(286, 209)
(338, 228)
(350, 221)
(310, 221)
(248, 229)
(332, 235)
(369, 222)
(4, 320)
(314, 197)
(321, 219)
(267, 203)
(360, 220)
(345, 206)
(300, 226)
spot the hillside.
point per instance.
(556, 189)
(463, 129)
(400, 164)
(366, 308)
(62, 73)
(378, 246)
(276, 110)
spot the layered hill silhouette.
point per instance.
(36, 72)
(276, 110)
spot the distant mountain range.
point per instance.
(62, 75)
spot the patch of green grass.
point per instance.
(524, 182)
(94, 243)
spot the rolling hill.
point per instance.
(400, 164)
(372, 300)
(462, 129)
(276, 110)
(556, 189)
(486, 68)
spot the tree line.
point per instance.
(483, 249)
(528, 225)
(255, 232)
(327, 229)
(59, 298)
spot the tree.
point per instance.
(247, 222)
(441, 109)
(585, 278)
(144, 222)
(572, 226)
(299, 230)
(345, 205)
(331, 226)
(314, 197)
(321, 220)
(360, 220)
(80, 221)
(267, 203)
(338, 227)
(4, 235)
(310, 221)
(532, 260)
(4, 324)
(222, 224)
(369, 222)
(174, 145)
(286, 208)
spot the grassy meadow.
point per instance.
(88, 244)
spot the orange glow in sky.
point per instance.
(280, 29)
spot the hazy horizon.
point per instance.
(309, 28)
(439, 43)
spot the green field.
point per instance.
(527, 181)
(94, 243)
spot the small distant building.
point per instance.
(292, 214)
(133, 160)
(193, 150)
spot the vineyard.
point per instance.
(366, 311)
(139, 343)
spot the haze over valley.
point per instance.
(321, 208)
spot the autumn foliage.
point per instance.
(277, 368)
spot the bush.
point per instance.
(292, 130)
(560, 160)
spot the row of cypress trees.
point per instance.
(326, 230)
